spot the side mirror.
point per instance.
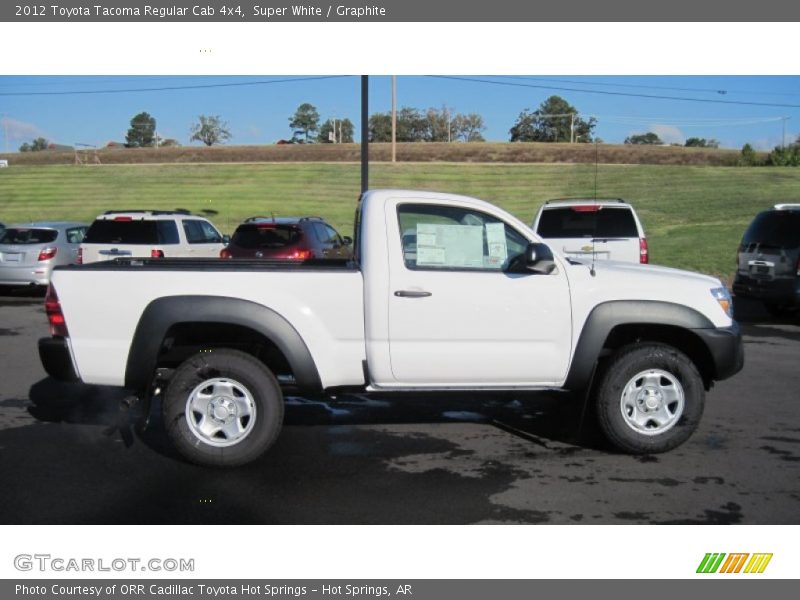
(539, 258)
(226, 239)
(347, 240)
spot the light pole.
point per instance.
(5, 130)
(394, 118)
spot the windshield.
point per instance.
(578, 222)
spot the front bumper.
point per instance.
(57, 359)
(726, 349)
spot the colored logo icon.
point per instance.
(719, 562)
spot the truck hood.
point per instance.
(655, 271)
(615, 281)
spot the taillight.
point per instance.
(301, 254)
(644, 255)
(80, 256)
(156, 253)
(47, 253)
(225, 253)
(58, 326)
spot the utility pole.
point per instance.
(5, 130)
(783, 133)
(394, 118)
(364, 133)
(571, 128)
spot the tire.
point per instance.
(222, 408)
(649, 399)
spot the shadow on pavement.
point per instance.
(539, 417)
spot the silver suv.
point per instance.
(150, 234)
(603, 229)
(768, 261)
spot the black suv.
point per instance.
(768, 262)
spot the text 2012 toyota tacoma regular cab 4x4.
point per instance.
(445, 292)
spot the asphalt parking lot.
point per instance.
(498, 458)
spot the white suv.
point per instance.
(603, 229)
(150, 234)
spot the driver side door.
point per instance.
(457, 318)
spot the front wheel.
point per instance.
(650, 398)
(223, 408)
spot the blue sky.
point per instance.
(259, 114)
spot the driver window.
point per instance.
(455, 238)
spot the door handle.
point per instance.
(411, 294)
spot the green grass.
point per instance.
(694, 216)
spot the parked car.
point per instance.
(150, 234)
(768, 260)
(29, 252)
(604, 229)
(480, 304)
(287, 238)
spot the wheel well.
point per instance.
(182, 340)
(677, 337)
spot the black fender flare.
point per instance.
(163, 313)
(606, 316)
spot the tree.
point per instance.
(305, 120)
(380, 127)
(142, 132)
(412, 125)
(647, 139)
(36, 145)
(554, 121)
(748, 156)
(210, 130)
(696, 142)
(344, 131)
(469, 127)
(439, 126)
(168, 143)
(788, 156)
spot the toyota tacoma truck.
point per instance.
(443, 293)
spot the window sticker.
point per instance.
(496, 242)
(449, 245)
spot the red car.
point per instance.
(287, 238)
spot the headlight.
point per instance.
(723, 296)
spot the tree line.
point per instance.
(555, 120)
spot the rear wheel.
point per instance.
(650, 398)
(223, 408)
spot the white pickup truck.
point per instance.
(445, 292)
